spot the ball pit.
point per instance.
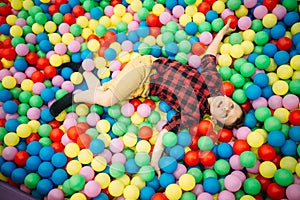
(95, 152)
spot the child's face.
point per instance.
(225, 110)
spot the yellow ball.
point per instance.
(173, 191)
(127, 18)
(99, 163)
(16, 4)
(100, 62)
(82, 21)
(105, 138)
(82, 109)
(151, 40)
(119, 10)
(187, 182)
(15, 31)
(262, 132)
(124, 57)
(137, 181)
(285, 72)
(254, 139)
(103, 72)
(297, 169)
(295, 62)
(248, 47)
(267, 169)
(124, 179)
(50, 27)
(73, 167)
(93, 24)
(224, 60)
(103, 179)
(9, 82)
(131, 192)
(136, 118)
(158, 9)
(27, 4)
(184, 19)
(242, 11)
(191, 10)
(85, 156)
(269, 20)
(104, 20)
(218, 6)
(295, 28)
(280, 87)
(272, 78)
(296, 75)
(198, 18)
(11, 19)
(55, 60)
(78, 196)
(103, 126)
(130, 139)
(289, 163)
(272, 67)
(282, 114)
(86, 32)
(27, 84)
(7, 63)
(67, 38)
(76, 78)
(116, 188)
(248, 35)
(237, 51)
(54, 38)
(159, 40)
(225, 48)
(45, 1)
(37, 28)
(34, 125)
(116, 46)
(11, 139)
(247, 197)
(23, 130)
(143, 146)
(71, 150)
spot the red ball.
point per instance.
(270, 4)
(93, 36)
(264, 182)
(145, 132)
(69, 19)
(228, 88)
(191, 158)
(5, 10)
(159, 196)
(84, 141)
(78, 11)
(37, 76)
(54, 124)
(150, 103)
(194, 143)
(240, 146)
(284, 43)
(9, 54)
(275, 191)
(277, 160)
(210, 2)
(234, 21)
(135, 103)
(53, 9)
(21, 158)
(198, 48)
(49, 71)
(246, 106)
(32, 58)
(266, 152)
(207, 158)
(56, 134)
(205, 127)
(42, 63)
(110, 37)
(115, 2)
(73, 132)
(7, 43)
(152, 20)
(154, 31)
(101, 51)
(59, 2)
(2, 122)
(225, 135)
(83, 126)
(2, 20)
(258, 197)
(57, 146)
(33, 137)
(294, 117)
(204, 7)
(194, 130)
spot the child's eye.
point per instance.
(232, 106)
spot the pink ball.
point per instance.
(234, 162)
(116, 145)
(74, 46)
(226, 195)
(240, 175)
(127, 109)
(144, 110)
(226, 12)
(25, 189)
(275, 102)
(4, 72)
(244, 23)
(180, 170)
(177, 11)
(106, 154)
(69, 122)
(57, 80)
(20, 22)
(165, 17)
(127, 45)
(254, 169)
(79, 39)
(92, 119)
(194, 61)
(290, 102)
(115, 74)
(64, 28)
(60, 48)
(22, 49)
(19, 76)
(243, 132)
(109, 11)
(65, 139)
(87, 172)
(55, 194)
(293, 192)
(38, 87)
(232, 183)
(30, 38)
(205, 195)
(133, 26)
(198, 189)
(260, 12)
(118, 157)
(11, 116)
(279, 11)
(29, 71)
(250, 3)
(206, 37)
(8, 153)
(88, 64)
(2, 113)
(115, 65)
(33, 113)
(50, 53)
(261, 101)
(68, 86)
(92, 189)
(136, 17)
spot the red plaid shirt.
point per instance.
(185, 89)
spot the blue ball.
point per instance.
(289, 148)
(59, 176)
(296, 39)
(270, 49)
(294, 133)
(20, 64)
(45, 46)
(74, 3)
(97, 146)
(133, 36)
(136, 46)
(170, 114)
(211, 15)
(42, 36)
(10, 107)
(291, 18)
(5, 95)
(276, 138)
(171, 49)
(121, 37)
(156, 51)
(143, 31)
(7, 168)
(86, 54)
(184, 139)
(154, 183)
(253, 92)
(164, 107)
(18, 175)
(4, 29)
(96, 13)
(168, 164)
(191, 28)
(46, 116)
(252, 57)
(211, 185)
(281, 57)
(193, 39)
(47, 94)
(166, 179)
(65, 8)
(110, 54)
(146, 193)
(177, 152)
(170, 4)
(261, 79)
(11, 125)
(45, 169)
(277, 31)
(182, 3)
(298, 48)
(101, 196)
(66, 73)
(76, 57)
(1, 160)
(131, 167)
(44, 186)
(33, 163)
(22, 145)
(250, 120)
(59, 160)
(34, 147)
(224, 150)
(267, 92)
(46, 153)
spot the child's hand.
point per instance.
(154, 164)
(226, 29)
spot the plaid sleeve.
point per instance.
(174, 124)
(211, 75)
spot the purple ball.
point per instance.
(293, 192)
(232, 183)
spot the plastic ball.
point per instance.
(248, 159)
(169, 139)
(187, 182)
(168, 164)
(232, 183)
(173, 191)
(211, 185)
(280, 87)
(116, 188)
(92, 189)
(44, 186)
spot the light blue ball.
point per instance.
(166, 179)
(59, 160)
(276, 138)
(168, 164)
(44, 186)
(33, 163)
(59, 176)
(18, 175)
(211, 185)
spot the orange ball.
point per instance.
(198, 48)
(84, 141)
(145, 132)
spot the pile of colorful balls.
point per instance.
(95, 152)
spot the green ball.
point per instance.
(217, 24)
(169, 139)
(209, 173)
(44, 130)
(142, 159)
(237, 80)
(257, 25)
(25, 96)
(290, 5)
(132, 129)
(285, 130)
(116, 169)
(23, 119)
(144, 48)
(294, 87)
(100, 30)
(235, 38)
(239, 96)
(104, 3)
(23, 108)
(124, 120)
(298, 150)
(196, 173)
(167, 37)
(92, 132)
(248, 159)
(234, 4)
(247, 69)
(188, 196)
(36, 101)
(88, 5)
(16, 92)
(262, 113)
(172, 27)
(40, 18)
(119, 128)
(258, 49)
(129, 153)
(45, 141)
(180, 35)
(30, 20)
(225, 73)
(31, 47)
(77, 182)
(143, 13)
(35, 10)
(58, 18)
(261, 38)
(17, 40)
(239, 194)
(184, 46)
(97, 109)
(222, 167)
(60, 94)
(272, 124)
(23, 14)
(284, 177)
(182, 57)
(114, 111)
(47, 83)
(75, 29)
(146, 173)
(148, 4)
(3, 132)
(189, 2)
(161, 1)
(121, 27)
(205, 143)
(154, 117)
(31, 180)
(204, 27)
(26, 30)
(262, 62)
(66, 188)
(252, 186)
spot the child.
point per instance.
(182, 87)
